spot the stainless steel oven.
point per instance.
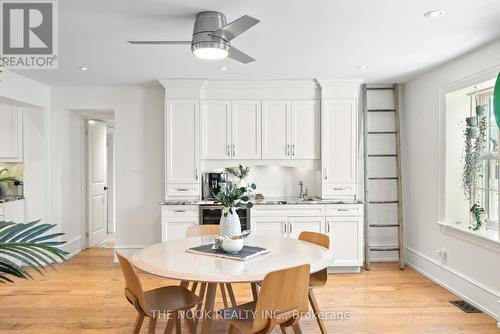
(210, 215)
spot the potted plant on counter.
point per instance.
(232, 197)
(240, 173)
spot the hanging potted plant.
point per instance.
(232, 197)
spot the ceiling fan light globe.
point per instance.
(210, 53)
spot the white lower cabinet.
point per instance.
(343, 223)
(346, 240)
(176, 219)
(270, 226)
(297, 225)
(12, 211)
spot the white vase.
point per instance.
(230, 225)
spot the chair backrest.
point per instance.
(200, 230)
(315, 238)
(321, 240)
(133, 287)
(283, 295)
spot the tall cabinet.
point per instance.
(339, 131)
(182, 147)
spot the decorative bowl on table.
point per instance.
(232, 246)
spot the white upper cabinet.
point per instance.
(306, 130)
(231, 130)
(216, 130)
(11, 133)
(246, 130)
(339, 147)
(276, 117)
(291, 129)
(182, 146)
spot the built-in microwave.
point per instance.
(210, 215)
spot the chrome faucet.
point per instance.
(302, 193)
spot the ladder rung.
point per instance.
(383, 225)
(383, 249)
(381, 110)
(382, 202)
(380, 88)
(383, 178)
(381, 155)
(381, 132)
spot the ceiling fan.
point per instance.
(212, 37)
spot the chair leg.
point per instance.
(152, 326)
(138, 323)
(230, 292)
(315, 307)
(178, 328)
(170, 324)
(297, 329)
(283, 329)
(232, 329)
(223, 293)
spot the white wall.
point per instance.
(471, 268)
(138, 157)
(34, 98)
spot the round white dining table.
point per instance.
(169, 259)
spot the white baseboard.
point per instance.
(73, 246)
(344, 270)
(483, 297)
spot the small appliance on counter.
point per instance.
(210, 184)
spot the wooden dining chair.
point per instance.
(319, 278)
(168, 300)
(281, 302)
(205, 230)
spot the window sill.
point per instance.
(484, 238)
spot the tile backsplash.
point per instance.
(15, 169)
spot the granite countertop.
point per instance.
(271, 201)
(10, 198)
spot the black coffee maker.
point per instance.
(210, 185)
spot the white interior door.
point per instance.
(97, 174)
(246, 130)
(216, 130)
(306, 130)
(276, 130)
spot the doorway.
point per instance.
(98, 184)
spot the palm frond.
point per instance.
(24, 245)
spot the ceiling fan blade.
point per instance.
(240, 56)
(161, 42)
(235, 28)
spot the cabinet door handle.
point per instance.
(293, 149)
(179, 210)
(287, 149)
(327, 227)
(325, 174)
(338, 188)
(344, 210)
(291, 228)
(228, 150)
(182, 189)
(285, 227)
(196, 174)
(234, 150)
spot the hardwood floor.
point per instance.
(85, 295)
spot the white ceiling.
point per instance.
(296, 39)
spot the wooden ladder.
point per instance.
(370, 181)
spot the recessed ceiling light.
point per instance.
(223, 68)
(83, 68)
(361, 67)
(434, 13)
